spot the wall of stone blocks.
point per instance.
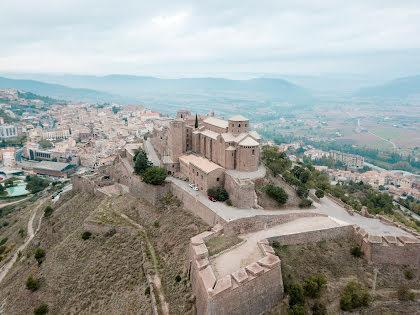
(250, 290)
(396, 250)
(241, 193)
(192, 204)
(314, 236)
(151, 193)
(261, 222)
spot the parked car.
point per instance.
(211, 198)
(195, 188)
(192, 185)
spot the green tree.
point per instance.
(48, 211)
(142, 162)
(296, 295)
(39, 255)
(154, 175)
(196, 121)
(319, 193)
(2, 190)
(314, 286)
(41, 309)
(277, 193)
(353, 297)
(32, 284)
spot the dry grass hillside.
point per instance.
(105, 273)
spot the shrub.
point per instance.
(319, 309)
(212, 192)
(154, 175)
(32, 284)
(147, 291)
(41, 309)
(302, 191)
(305, 203)
(21, 232)
(48, 211)
(314, 286)
(3, 241)
(297, 310)
(229, 202)
(408, 274)
(156, 224)
(277, 193)
(86, 235)
(356, 251)
(319, 193)
(178, 278)
(405, 294)
(39, 255)
(296, 295)
(353, 297)
(2, 249)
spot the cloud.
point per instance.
(182, 38)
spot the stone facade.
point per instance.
(241, 192)
(259, 284)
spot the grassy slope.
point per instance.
(334, 261)
(102, 275)
(171, 242)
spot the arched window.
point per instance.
(239, 125)
(253, 151)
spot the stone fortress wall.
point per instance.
(259, 284)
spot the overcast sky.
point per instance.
(181, 38)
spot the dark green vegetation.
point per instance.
(410, 203)
(48, 211)
(316, 278)
(154, 175)
(354, 296)
(277, 193)
(32, 284)
(86, 235)
(150, 174)
(142, 163)
(220, 194)
(36, 184)
(42, 309)
(39, 255)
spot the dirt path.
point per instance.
(155, 279)
(31, 233)
(13, 202)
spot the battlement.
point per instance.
(388, 249)
(259, 283)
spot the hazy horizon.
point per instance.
(188, 39)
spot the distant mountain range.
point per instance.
(58, 91)
(400, 88)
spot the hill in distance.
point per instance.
(398, 88)
(59, 91)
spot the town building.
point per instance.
(350, 160)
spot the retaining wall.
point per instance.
(241, 192)
(396, 250)
(250, 290)
(345, 231)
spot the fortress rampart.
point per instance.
(396, 250)
(259, 284)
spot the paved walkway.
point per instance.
(249, 252)
(151, 153)
(326, 206)
(251, 175)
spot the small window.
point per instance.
(233, 125)
(239, 125)
(197, 173)
(217, 179)
(201, 176)
(246, 125)
(253, 151)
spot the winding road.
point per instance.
(31, 233)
